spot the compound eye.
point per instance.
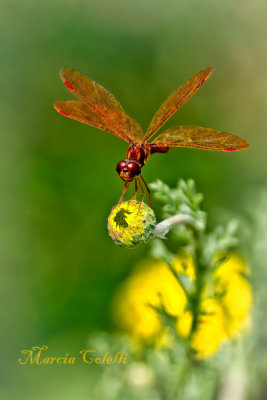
(120, 166)
(132, 166)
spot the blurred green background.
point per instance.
(59, 268)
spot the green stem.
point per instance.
(182, 380)
(163, 227)
(199, 283)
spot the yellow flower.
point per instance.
(223, 310)
(236, 298)
(131, 223)
(151, 285)
(209, 333)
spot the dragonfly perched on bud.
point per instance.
(99, 108)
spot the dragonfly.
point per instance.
(99, 108)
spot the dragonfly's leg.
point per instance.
(147, 190)
(124, 191)
(142, 190)
(136, 189)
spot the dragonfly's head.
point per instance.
(128, 170)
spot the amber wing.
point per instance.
(175, 101)
(98, 107)
(81, 112)
(200, 138)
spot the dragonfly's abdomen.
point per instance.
(158, 149)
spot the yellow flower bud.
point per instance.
(131, 223)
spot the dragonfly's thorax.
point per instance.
(138, 153)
